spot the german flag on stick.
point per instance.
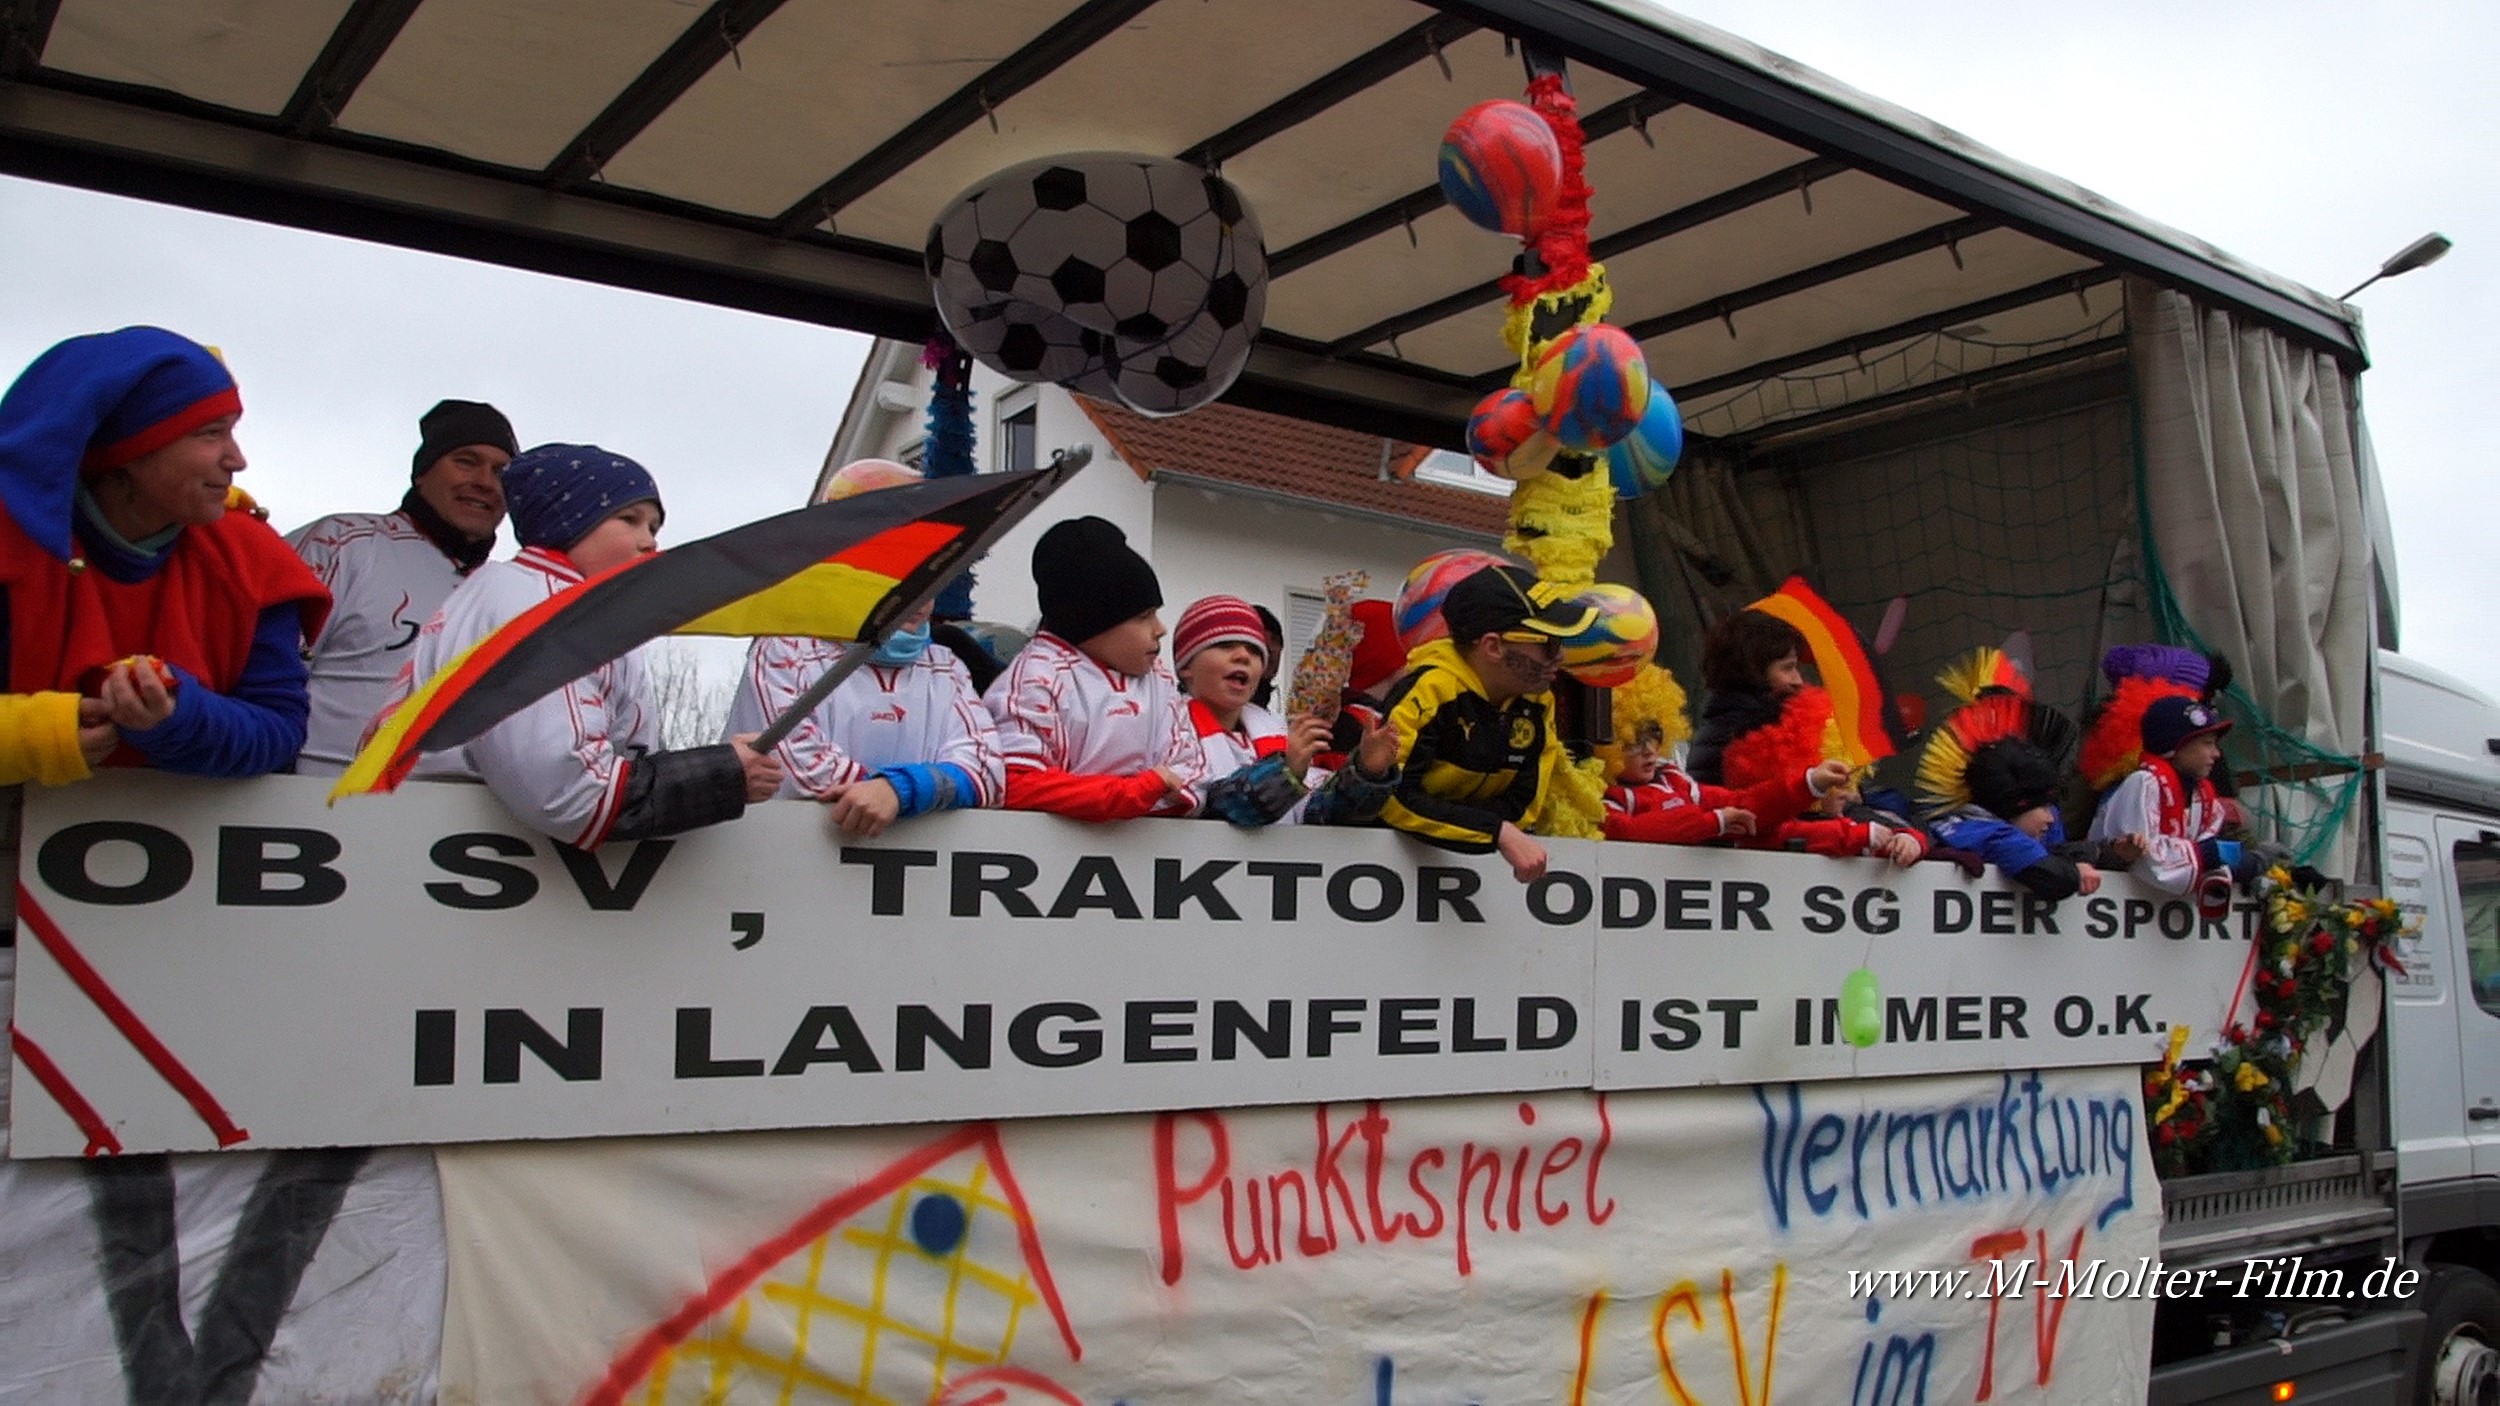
(845, 570)
(1847, 672)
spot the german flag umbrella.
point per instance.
(847, 570)
(1859, 704)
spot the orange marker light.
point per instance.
(2285, 1391)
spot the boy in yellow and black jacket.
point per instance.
(1475, 718)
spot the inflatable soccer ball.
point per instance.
(1501, 167)
(1417, 614)
(1622, 637)
(1133, 277)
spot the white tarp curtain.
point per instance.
(2254, 460)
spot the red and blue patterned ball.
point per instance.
(1501, 168)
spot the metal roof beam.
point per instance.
(1599, 34)
(1725, 307)
(1657, 227)
(1080, 30)
(1413, 205)
(25, 27)
(2065, 285)
(363, 35)
(1394, 56)
(697, 51)
(203, 163)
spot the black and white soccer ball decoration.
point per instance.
(1135, 278)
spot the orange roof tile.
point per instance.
(1325, 466)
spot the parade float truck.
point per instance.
(1003, 1108)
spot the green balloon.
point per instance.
(1862, 1009)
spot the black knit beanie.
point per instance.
(453, 424)
(1089, 579)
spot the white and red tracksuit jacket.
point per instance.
(923, 712)
(386, 579)
(559, 765)
(1082, 741)
(2172, 814)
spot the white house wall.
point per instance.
(1210, 541)
(1202, 540)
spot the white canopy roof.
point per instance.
(1764, 226)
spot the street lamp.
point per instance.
(2426, 250)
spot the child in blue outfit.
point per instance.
(1991, 776)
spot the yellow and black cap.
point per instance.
(1511, 601)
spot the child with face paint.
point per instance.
(906, 734)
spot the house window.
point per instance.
(1452, 470)
(1305, 612)
(1019, 446)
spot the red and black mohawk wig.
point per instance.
(2001, 751)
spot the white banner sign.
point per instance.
(1980, 1238)
(230, 964)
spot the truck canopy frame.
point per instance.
(786, 156)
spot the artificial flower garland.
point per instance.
(2235, 1112)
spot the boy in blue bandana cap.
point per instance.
(582, 763)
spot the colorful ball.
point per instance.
(1591, 387)
(867, 476)
(1642, 460)
(1501, 427)
(1417, 614)
(1501, 167)
(1622, 638)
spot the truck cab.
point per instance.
(2442, 744)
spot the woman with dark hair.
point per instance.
(142, 623)
(1749, 667)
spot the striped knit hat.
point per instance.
(1217, 620)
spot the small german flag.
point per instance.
(1867, 736)
(845, 570)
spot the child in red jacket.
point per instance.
(1655, 801)
(1837, 823)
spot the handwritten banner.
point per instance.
(1695, 1245)
(207, 965)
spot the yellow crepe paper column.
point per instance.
(1562, 524)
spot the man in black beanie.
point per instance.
(1091, 720)
(389, 572)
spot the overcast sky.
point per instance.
(2312, 139)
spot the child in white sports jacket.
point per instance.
(904, 735)
(580, 764)
(1091, 721)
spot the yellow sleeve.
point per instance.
(39, 739)
(1571, 801)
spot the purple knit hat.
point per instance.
(556, 493)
